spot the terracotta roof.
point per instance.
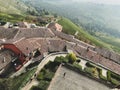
(34, 32)
(111, 65)
(90, 54)
(22, 25)
(96, 58)
(26, 45)
(109, 54)
(115, 57)
(8, 33)
(56, 45)
(62, 35)
(72, 39)
(44, 45)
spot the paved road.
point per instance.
(50, 57)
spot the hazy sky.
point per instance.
(113, 2)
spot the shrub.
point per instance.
(51, 66)
(48, 75)
(35, 88)
(88, 64)
(32, 65)
(92, 71)
(114, 81)
(77, 66)
(71, 57)
(61, 59)
(2, 22)
(40, 76)
(78, 60)
(88, 71)
(43, 85)
(115, 76)
(109, 75)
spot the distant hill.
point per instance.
(12, 7)
(15, 10)
(16, 7)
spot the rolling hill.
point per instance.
(99, 20)
(12, 7)
(15, 10)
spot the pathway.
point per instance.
(21, 69)
(48, 58)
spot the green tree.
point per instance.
(55, 15)
(72, 58)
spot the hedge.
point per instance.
(77, 66)
(61, 59)
(109, 76)
(88, 71)
(43, 85)
(32, 65)
(35, 88)
(115, 82)
(45, 76)
(115, 76)
(88, 64)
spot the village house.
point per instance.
(23, 25)
(43, 43)
(55, 26)
(26, 49)
(22, 49)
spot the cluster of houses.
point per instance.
(18, 25)
(24, 44)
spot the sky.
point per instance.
(112, 2)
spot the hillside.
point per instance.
(101, 21)
(15, 7)
(15, 10)
(71, 28)
(12, 7)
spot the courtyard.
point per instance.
(74, 81)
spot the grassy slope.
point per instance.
(14, 10)
(12, 6)
(71, 28)
(115, 42)
(11, 17)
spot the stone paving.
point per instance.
(104, 72)
(83, 63)
(74, 81)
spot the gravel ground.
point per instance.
(74, 81)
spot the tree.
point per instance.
(72, 58)
(55, 15)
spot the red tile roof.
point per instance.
(34, 32)
(26, 45)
